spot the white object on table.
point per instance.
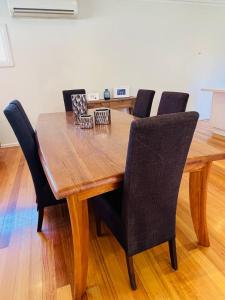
(93, 96)
(121, 92)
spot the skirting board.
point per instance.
(9, 145)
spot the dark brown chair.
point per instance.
(67, 97)
(142, 213)
(25, 134)
(143, 103)
(172, 102)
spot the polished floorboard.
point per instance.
(39, 266)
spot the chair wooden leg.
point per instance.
(130, 268)
(98, 226)
(40, 218)
(130, 109)
(173, 253)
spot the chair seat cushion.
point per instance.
(108, 208)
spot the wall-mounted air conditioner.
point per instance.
(43, 8)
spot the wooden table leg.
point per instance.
(78, 211)
(198, 184)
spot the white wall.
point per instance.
(143, 44)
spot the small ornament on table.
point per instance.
(79, 105)
(102, 116)
(86, 121)
(107, 94)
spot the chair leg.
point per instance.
(130, 267)
(98, 226)
(130, 110)
(40, 218)
(173, 253)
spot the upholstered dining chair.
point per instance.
(67, 97)
(172, 102)
(25, 134)
(142, 213)
(143, 104)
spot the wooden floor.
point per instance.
(39, 266)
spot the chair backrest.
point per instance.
(67, 97)
(143, 103)
(172, 102)
(157, 152)
(25, 134)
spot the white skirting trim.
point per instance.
(9, 145)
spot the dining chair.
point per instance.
(67, 97)
(142, 213)
(26, 137)
(143, 104)
(172, 102)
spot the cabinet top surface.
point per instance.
(214, 90)
(112, 99)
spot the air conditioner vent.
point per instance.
(43, 9)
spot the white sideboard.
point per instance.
(217, 119)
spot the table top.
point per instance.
(78, 160)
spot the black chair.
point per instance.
(143, 103)
(142, 213)
(172, 102)
(67, 97)
(25, 134)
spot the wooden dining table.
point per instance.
(82, 163)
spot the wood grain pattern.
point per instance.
(115, 103)
(29, 267)
(198, 199)
(64, 293)
(90, 162)
(77, 160)
(8, 219)
(80, 229)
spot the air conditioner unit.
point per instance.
(43, 8)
